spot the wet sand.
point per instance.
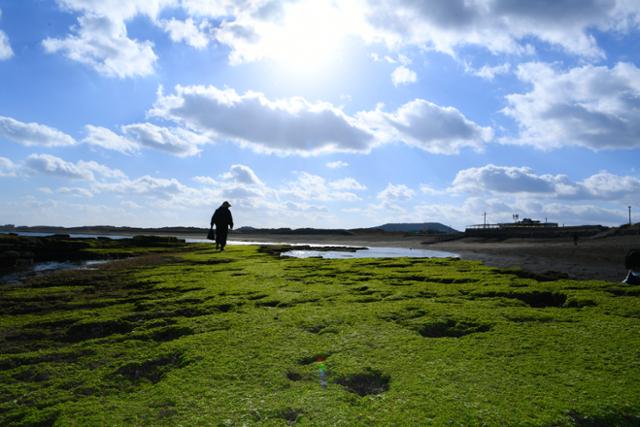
(592, 258)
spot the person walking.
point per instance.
(223, 221)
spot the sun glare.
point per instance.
(310, 38)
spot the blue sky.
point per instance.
(346, 113)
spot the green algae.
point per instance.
(198, 337)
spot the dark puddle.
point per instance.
(152, 370)
(48, 267)
(171, 333)
(548, 276)
(369, 382)
(536, 299)
(290, 415)
(449, 328)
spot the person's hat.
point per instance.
(227, 204)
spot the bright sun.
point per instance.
(310, 37)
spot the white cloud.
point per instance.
(395, 193)
(439, 130)
(504, 179)
(307, 31)
(55, 166)
(31, 134)
(243, 175)
(75, 191)
(105, 138)
(205, 180)
(605, 185)
(180, 142)
(188, 32)
(524, 181)
(427, 189)
(501, 26)
(291, 125)
(403, 75)
(5, 47)
(7, 167)
(100, 169)
(488, 72)
(296, 126)
(337, 164)
(147, 186)
(314, 187)
(590, 106)
(347, 184)
(117, 9)
(102, 43)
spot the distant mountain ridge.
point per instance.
(413, 227)
(424, 227)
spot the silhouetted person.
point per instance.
(575, 239)
(632, 264)
(223, 221)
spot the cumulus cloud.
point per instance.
(523, 180)
(501, 26)
(51, 165)
(205, 180)
(103, 44)
(347, 184)
(188, 32)
(31, 134)
(337, 164)
(180, 142)
(117, 9)
(314, 187)
(242, 174)
(439, 130)
(76, 191)
(7, 167)
(147, 186)
(590, 106)
(504, 179)
(105, 138)
(403, 75)
(55, 166)
(297, 126)
(395, 193)
(5, 47)
(306, 29)
(488, 72)
(291, 125)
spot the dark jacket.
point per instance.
(222, 218)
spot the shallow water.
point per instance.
(371, 252)
(45, 267)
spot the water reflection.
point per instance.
(372, 252)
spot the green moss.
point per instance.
(198, 337)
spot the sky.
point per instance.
(319, 113)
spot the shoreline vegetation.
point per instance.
(595, 255)
(174, 333)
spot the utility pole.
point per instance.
(629, 215)
(485, 220)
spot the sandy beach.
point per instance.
(592, 258)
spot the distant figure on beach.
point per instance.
(575, 239)
(632, 264)
(223, 221)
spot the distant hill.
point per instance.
(424, 227)
(303, 231)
